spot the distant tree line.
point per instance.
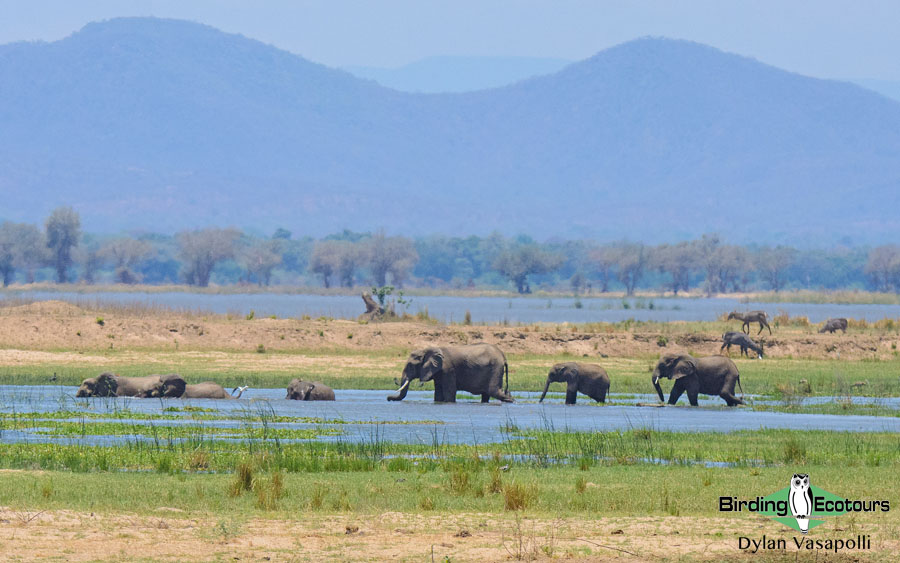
(62, 252)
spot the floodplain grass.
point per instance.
(519, 448)
(558, 491)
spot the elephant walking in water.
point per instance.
(712, 375)
(476, 369)
(590, 379)
(299, 390)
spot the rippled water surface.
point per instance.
(368, 416)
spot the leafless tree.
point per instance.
(22, 247)
(521, 261)
(260, 259)
(631, 259)
(126, 254)
(677, 260)
(390, 255)
(883, 267)
(200, 251)
(772, 263)
(63, 228)
(336, 257)
(603, 261)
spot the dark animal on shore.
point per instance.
(299, 390)
(712, 375)
(730, 339)
(751, 317)
(832, 325)
(590, 379)
(476, 369)
(112, 385)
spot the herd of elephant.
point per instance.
(173, 386)
(480, 369)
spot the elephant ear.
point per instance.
(432, 365)
(106, 386)
(685, 366)
(571, 373)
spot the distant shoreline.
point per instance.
(854, 297)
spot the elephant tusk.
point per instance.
(655, 380)
(404, 386)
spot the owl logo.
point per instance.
(800, 499)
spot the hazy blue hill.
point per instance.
(165, 124)
(441, 74)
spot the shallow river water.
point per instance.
(370, 417)
(482, 309)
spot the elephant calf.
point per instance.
(590, 379)
(712, 375)
(299, 390)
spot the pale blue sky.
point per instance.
(823, 38)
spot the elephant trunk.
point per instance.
(656, 385)
(546, 387)
(401, 393)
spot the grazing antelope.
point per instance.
(752, 317)
(832, 325)
(742, 340)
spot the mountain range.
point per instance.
(152, 124)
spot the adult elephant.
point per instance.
(712, 375)
(210, 390)
(299, 390)
(589, 379)
(477, 369)
(112, 385)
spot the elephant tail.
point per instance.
(740, 387)
(506, 369)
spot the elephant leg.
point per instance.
(601, 397)
(449, 390)
(571, 392)
(485, 398)
(729, 397)
(502, 395)
(693, 390)
(438, 392)
(677, 390)
(723, 347)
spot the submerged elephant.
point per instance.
(112, 385)
(477, 369)
(590, 379)
(712, 375)
(210, 390)
(299, 390)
